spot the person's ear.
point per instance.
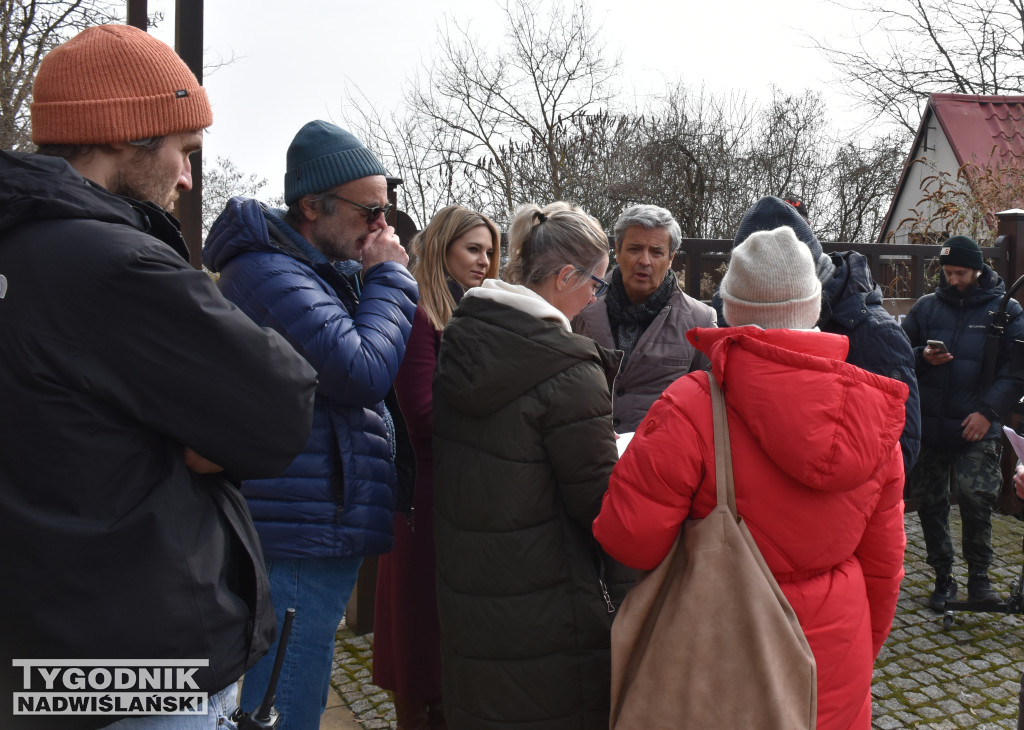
(310, 207)
(563, 277)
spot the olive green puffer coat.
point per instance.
(523, 447)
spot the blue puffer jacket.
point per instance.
(337, 498)
(951, 392)
(852, 306)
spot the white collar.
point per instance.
(519, 297)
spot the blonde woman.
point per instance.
(457, 251)
(523, 446)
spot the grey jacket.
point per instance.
(662, 355)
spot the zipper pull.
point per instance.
(605, 595)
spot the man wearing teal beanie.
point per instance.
(963, 400)
(329, 274)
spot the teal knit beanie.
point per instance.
(323, 156)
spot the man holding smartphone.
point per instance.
(961, 413)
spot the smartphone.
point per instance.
(937, 345)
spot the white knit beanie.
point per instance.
(771, 282)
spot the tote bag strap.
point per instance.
(723, 448)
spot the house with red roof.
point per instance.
(956, 130)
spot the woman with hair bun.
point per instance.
(457, 251)
(523, 447)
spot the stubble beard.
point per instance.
(140, 180)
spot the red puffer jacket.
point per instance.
(819, 482)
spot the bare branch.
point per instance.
(930, 46)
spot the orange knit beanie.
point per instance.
(115, 83)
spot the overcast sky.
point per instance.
(295, 59)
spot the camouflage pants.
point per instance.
(977, 481)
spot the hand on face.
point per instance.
(382, 244)
(338, 223)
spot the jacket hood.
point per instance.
(824, 422)
(847, 296)
(769, 213)
(40, 187)
(241, 227)
(491, 353)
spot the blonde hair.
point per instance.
(543, 240)
(428, 250)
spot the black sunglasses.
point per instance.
(371, 211)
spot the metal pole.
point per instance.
(138, 14)
(188, 42)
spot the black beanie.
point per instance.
(769, 213)
(961, 251)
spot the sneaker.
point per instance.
(979, 588)
(945, 590)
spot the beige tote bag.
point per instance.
(707, 640)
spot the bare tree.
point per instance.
(225, 181)
(860, 181)
(426, 154)
(478, 115)
(913, 48)
(534, 120)
(28, 30)
(707, 159)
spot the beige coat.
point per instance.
(662, 354)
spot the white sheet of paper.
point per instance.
(623, 441)
(1016, 441)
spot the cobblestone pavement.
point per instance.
(925, 677)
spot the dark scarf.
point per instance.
(456, 289)
(629, 321)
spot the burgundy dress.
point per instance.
(407, 640)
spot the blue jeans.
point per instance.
(318, 589)
(217, 717)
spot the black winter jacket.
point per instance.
(523, 448)
(951, 392)
(115, 355)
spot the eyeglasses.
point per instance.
(371, 211)
(600, 285)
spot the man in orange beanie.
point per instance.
(129, 389)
